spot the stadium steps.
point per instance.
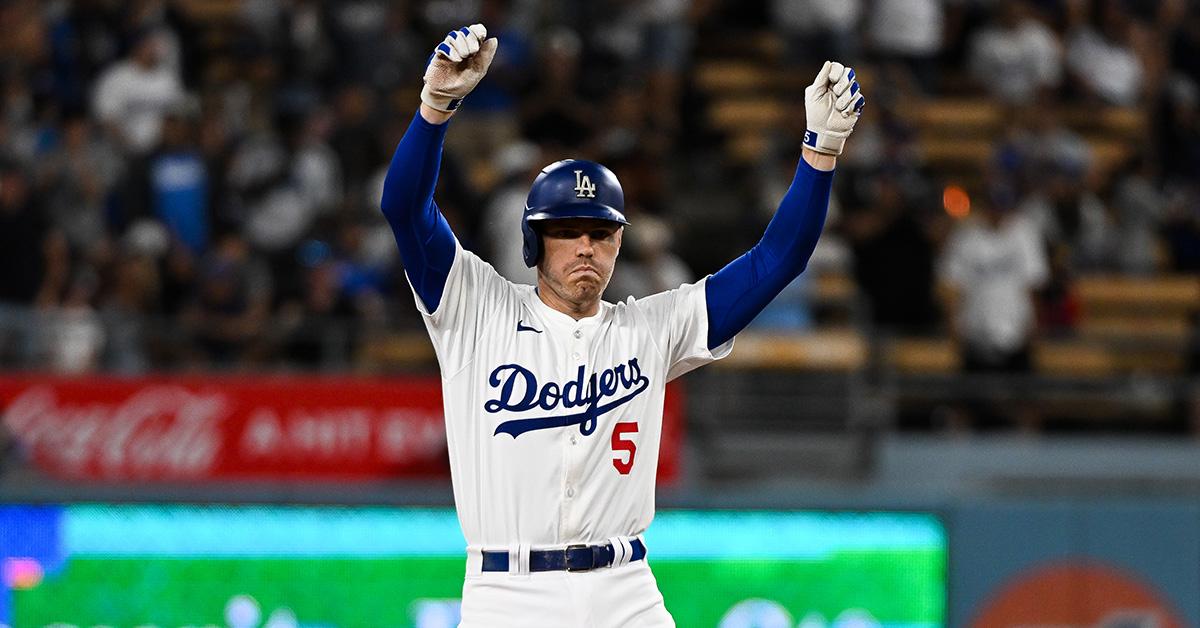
(822, 350)
(1109, 293)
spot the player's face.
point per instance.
(579, 257)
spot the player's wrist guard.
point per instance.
(828, 143)
(441, 102)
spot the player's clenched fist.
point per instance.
(457, 66)
(832, 105)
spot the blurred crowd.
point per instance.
(1047, 208)
(194, 184)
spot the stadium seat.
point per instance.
(823, 350)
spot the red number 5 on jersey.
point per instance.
(622, 444)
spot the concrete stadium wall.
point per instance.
(1107, 563)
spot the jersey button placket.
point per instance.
(574, 454)
(577, 346)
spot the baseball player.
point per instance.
(554, 398)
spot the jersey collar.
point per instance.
(562, 318)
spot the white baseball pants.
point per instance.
(609, 597)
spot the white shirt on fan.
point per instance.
(135, 100)
(995, 269)
(1013, 64)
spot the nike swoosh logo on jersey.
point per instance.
(521, 326)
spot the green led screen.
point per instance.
(292, 567)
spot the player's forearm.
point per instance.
(412, 175)
(792, 234)
(740, 290)
(434, 116)
(819, 161)
(422, 234)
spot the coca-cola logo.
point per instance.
(158, 430)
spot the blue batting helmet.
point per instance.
(571, 188)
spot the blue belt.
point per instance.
(573, 558)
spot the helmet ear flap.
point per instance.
(531, 249)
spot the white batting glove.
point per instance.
(832, 105)
(457, 66)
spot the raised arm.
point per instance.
(740, 290)
(426, 243)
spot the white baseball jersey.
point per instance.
(553, 424)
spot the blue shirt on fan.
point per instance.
(179, 192)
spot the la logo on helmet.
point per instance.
(584, 188)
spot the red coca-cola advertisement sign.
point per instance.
(243, 427)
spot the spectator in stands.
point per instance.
(894, 259)
(1036, 141)
(228, 314)
(36, 261)
(1059, 307)
(178, 182)
(1016, 56)
(313, 328)
(361, 33)
(665, 52)
(1181, 230)
(990, 273)
(316, 170)
(1138, 206)
(626, 129)
(129, 309)
(33, 252)
(517, 165)
(293, 129)
(133, 95)
(1185, 44)
(179, 275)
(909, 32)
(991, 267)
(650, 264)
(310, 55)
(1178, 130)
(270, 209)
(1052, 167)
(513, 67)
(76, 179)
(19, 128)
(1068, 214)
(74, 334)
(360, 274)
(1101, 56)
(818, 29)
(354, 136)
(24, 39)
(559, 117)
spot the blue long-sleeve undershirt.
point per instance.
(422, 233)
(740, 290)
(734, 295)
